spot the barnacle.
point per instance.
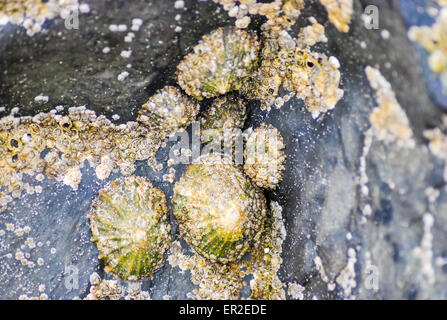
(68, 141)
(339, 12)
(315, 79)
(168, 111)
(219, 63)
(219, 211)
(131, 228)
(264, 156)
(224, 115)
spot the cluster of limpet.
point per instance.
(168, 111)
(131, 227)
(219, 211)
(225, 114)
(264, 156)
(219, 63)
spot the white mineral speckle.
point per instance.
(126, 53)
(179, 4)
(84, 8)
(123, 75)
(41, 99)
(385, 34)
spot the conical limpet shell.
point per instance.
(131, 227)
(264, 156)
(219, 63)
(219, 211)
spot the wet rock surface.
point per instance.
(334, 246)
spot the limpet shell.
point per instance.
(219, 63)
(219, 211)
(264, 156)
(131, 227)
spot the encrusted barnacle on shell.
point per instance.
(168, 111)
(131, 227)
(265, 82)
(219, 63)
(225, 114)
(264, 156)
(310, 76)
(219, 211)
(315, 78)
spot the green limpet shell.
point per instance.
(219, 211)
(131, 227)
(168, 111)
(219, 63)
(226, 113)
(264, 156)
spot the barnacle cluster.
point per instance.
(280, 14)
(168, 111)
(33, 13)
(219, 211)
(290, 64)
(339, 13)
(389, 122)
(219, 63)
(57, 145)
(131, 228)
(264, 156)
(434, 40)
(225, 114)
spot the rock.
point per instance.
(342, 242)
